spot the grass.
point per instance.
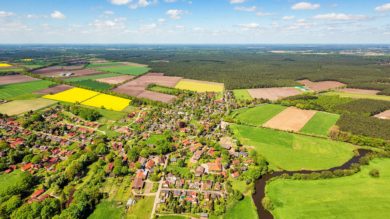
(142, 209)
(172, 217)
(242, 94)
(356, 196)
(17, 107)
(199, 86)
(13, 90)
(103, 64)
(153, 139)
(258, 115)
(242, 209)
(72, 95)
(107, 209)
(126, 69)
(359, 96)
(320, 123)
(290, 151)
(93, 84)
(91, 77)
(107, 102)
(165, 90)
(12, 181)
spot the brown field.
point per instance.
(76, 73)
(58, 69)
(165, 98)
(359, 91)
(54, 90)
(12, 79)
(290, 119)
(273, 93)
(383, 115)
(115, 80)
(322, 85)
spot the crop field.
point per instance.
(93, 84)
(73, 95)
(116, 79)
(54, 90)
(103, 64)
(356, 196)
(290, 119)
(322, 85)
(91, 77)
(13, 90)
(13, 79)
(199, 86)
(17, 107)
(273, 94)
(108, 102)
(258, 115)
(242, 94)
(126, 69)
(5, 65)
(290, 151)
(320, 123)
(359, 96)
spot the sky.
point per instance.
(195, 21)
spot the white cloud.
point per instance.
(383, 8)
(237, 1)
(249, 26)
(169, 1)
(263, 14)
(148, 27)
(161, 20)
(305, 6)
(6, 14)
(57, 15)
(339, 17)
(108, 12)
(299, 24)
(286, 18)
(120, 2)
(175, 13)
(247, 9)
(103, 25)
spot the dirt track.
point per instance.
(290, 119)
(273, 93)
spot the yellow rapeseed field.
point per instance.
(108, 102)
(73, 95)
(4, 65)
(199, 86)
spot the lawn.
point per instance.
(242, 94)
(359, 96)
(91, 77)
(107, 209)
(242, 209)
(72, 95)
(356, 196)
(199, 86)
(290, 151)
(17, 107)
(107, 102)
(12, 181)
(142, 209)
(126, 69)
(258, 115)
(320, 123)
(93, 84)
(13, 90)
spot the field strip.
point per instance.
(290, 119)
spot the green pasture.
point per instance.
(242, 94)
(242, 209)
(13, 90)
(17, 107)
(126, 69)
(359, 196)
(107, 209)
(290, 151)
(258, 115)
(103, 64)
(95, 85)
(142, 209)
(359, 96)
(320, 123)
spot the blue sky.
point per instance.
(194, 21)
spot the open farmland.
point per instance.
(108, 102)
(13, 90)
(359, 91)
(126, 69)
(151, 95)
(320, 123)
(91, 77)
(54, 90)
(12, 79)
(273, 93)
(5, 65)
(116, 79)
(17, 107)
(258, 115)
(358, 96)
(322, 85)
(199, 86)
(242, 94)
(290, 119)
(290, 151)
(356, 196)
(95, 85)
(73, 95)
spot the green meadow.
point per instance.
(290, 151)
(242, 94)
(359, 96)
(258, 115)
(13, 90)
(242, 209)
(320, 123)
(357, 196)
(95, 85)
(107, 209)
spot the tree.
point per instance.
(374, 173)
